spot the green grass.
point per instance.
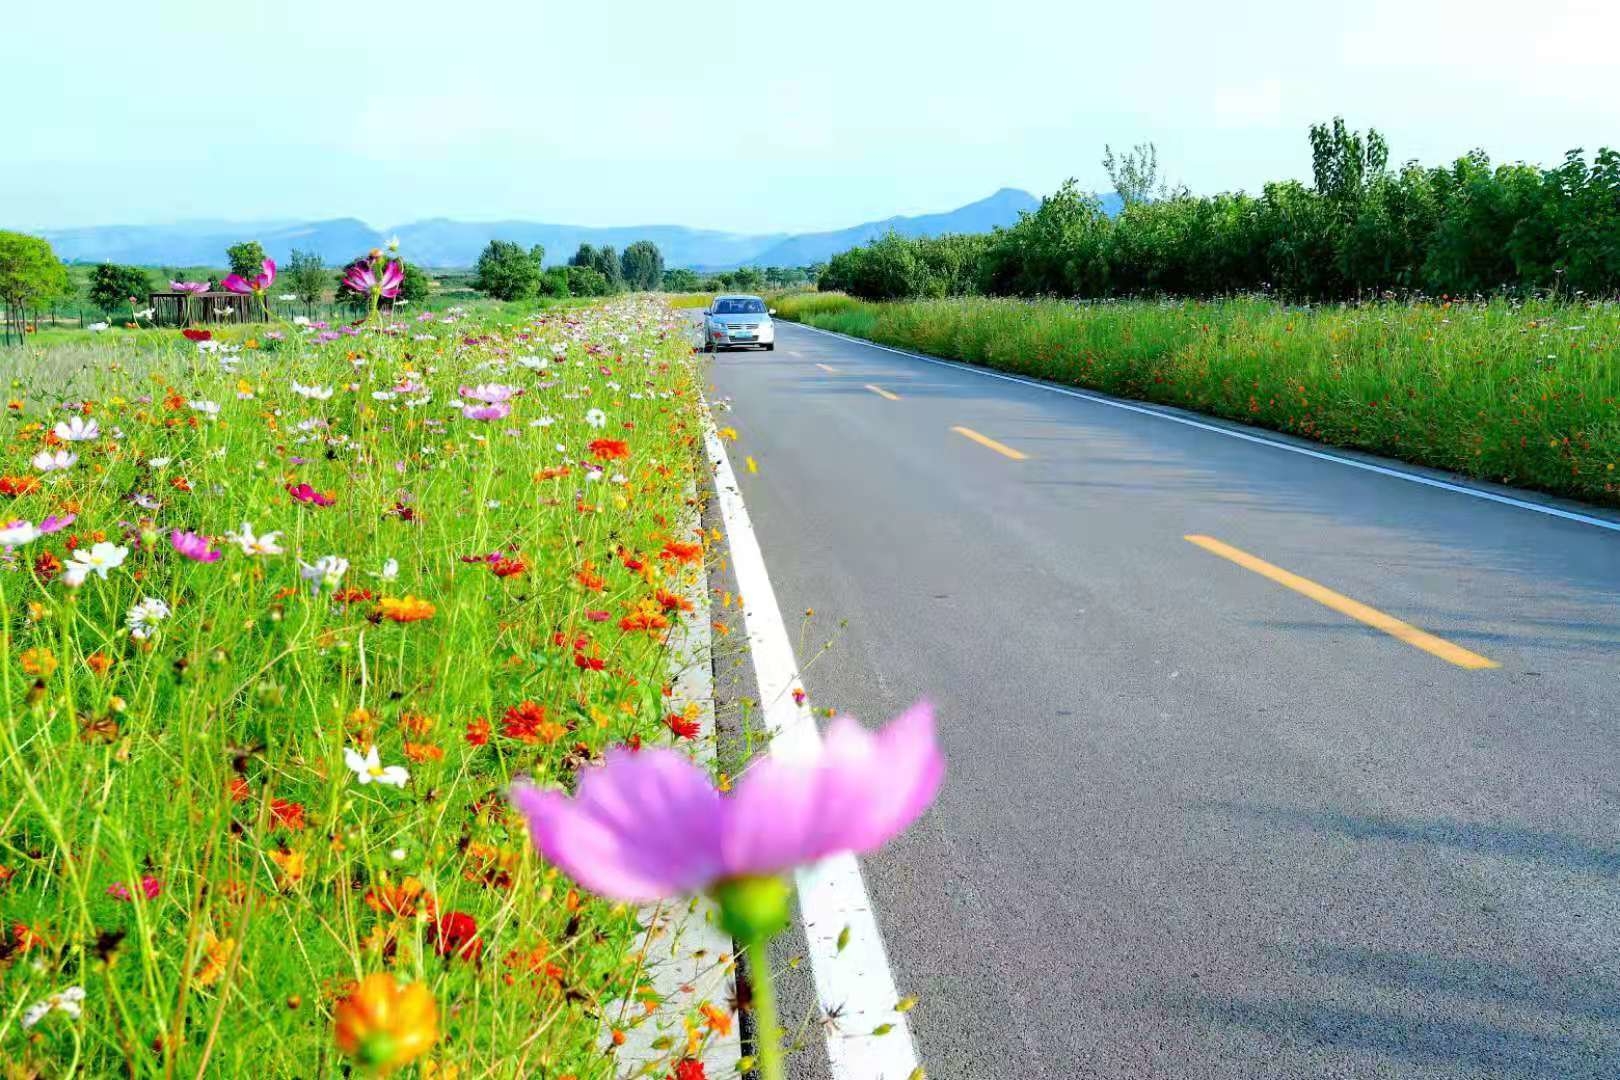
(1524, 394)
(209, 758)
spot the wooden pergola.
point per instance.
(170, 308)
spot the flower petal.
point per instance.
(645, 826)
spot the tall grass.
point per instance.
(1521, 393)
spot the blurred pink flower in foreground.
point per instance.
(193, 546)
(650, 824)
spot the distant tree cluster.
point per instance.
(112, 287)
(1359, 229)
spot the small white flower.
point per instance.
(46, 461)
(17, 533)
(68, 1002)
(596, 418)
(96, 327)
(544, 421)
(256, 545)
(208, 408)
(300, 320)
(315, 393)
(328, 570)
(158, 462)
(389, 571)
(143, 618)
(369, 769)
(98, 560)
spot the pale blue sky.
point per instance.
(753, 117)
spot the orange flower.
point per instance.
(98, 662)
(682, 552)
(671, 602)
(645, 616)
(530, 723)
(38, 661)
(292, 865)
(590, 579)
(422, 752)
(609, 449)
(216, 953)
(405, 609)
(386, 898)
(384, 1025)
(18, 485)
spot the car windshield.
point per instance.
(739, 307)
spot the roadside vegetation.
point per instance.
(286, 610)
(1518, 392)
(1359, 231)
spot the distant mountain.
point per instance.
(1002, 208)
(442, 242)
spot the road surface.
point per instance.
(1332, 789)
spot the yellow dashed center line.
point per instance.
(827, 369)
(984, 440)
(882, 393)
(1355, 609)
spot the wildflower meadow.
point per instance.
(288, 609)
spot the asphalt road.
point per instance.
(1197, 823)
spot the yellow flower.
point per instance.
(216, 954)
(384, 1025)
(405, 609)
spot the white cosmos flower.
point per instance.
(300, 320)
(46, 461)
(369, 769)
(328, 570)
(68, 1002)
(98, 560)
(17, 533)
(96, 327)
(596, 418)
(208, 408)
(389, 571)
(158, 462)
(256, 545)
(316, 393)
(143, 618)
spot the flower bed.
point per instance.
(282, 624)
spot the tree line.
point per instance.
(508, 271)
(1360, 229)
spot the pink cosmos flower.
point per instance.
(193, 546)
(55, 523)
(363, 279)
(650, 824)
(255, 285)
(305, 494)
(489, 393)
(197, 287)
(497, 411)
(151, 887)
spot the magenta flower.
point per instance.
(499, 410)
(651, 825)
(375, 280)
(489, 393)
(257, 286)
(194, 287)
(53, 523)
(151, 888)
(193, 546)
(305, 494)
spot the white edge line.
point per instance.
(1366, 466)
(854, 982)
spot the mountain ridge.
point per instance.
(447, 242)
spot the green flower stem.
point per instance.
(767, 1033)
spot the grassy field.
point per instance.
(462, 544)
(1521, 393)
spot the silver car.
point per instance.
(738, 321)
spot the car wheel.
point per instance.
(771, 347)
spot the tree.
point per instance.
(642, 266)
(587, 281)
(306, 274)
(30, 272)
(605, 261)
(506, 271)
(680, 279)
(554, 281)
(538, 254)
(585, 256)
(246, 258)
(112, 286)
(417, 285)
(1135, 174)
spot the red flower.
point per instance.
(689, 1069)
(508, 567)
(683, 727)
(681, 552)
(478, 732)
(455, 934)
(608, 449)
(288, 815)
(671, 602)
(196, 335)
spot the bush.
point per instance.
(587, 281)
(642, 266)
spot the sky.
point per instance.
(750, 117)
